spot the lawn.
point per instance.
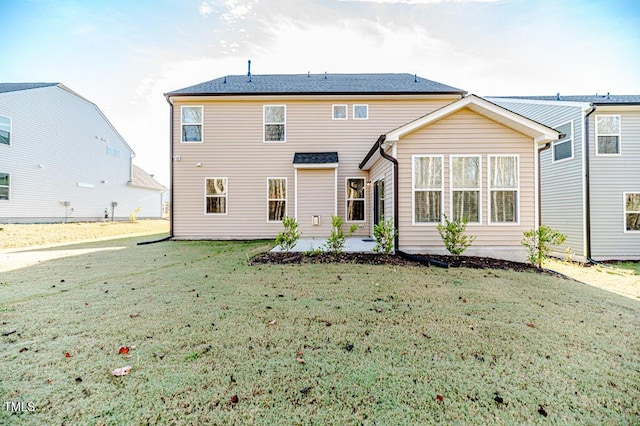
(214, 341)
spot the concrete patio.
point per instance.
(352, 244)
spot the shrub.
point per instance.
(539, 241)
(454, 237)
(288, 237)
(335, 242)
(384, 233)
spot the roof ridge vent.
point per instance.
(225, 80)
(558, 96)
(308, 74)
(608, 95)
(325, 75)
(415, 78)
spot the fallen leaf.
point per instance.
(47, 382)
(498, 399)
(404, 352)
(378, 310)
(299, 353)
(440, 399)
(122, 371)
(9, 333)
(348, 347)
(542, 411)
(86, 303)
(78, 379)
(530, 324)
(300, 361)
(23, 350)
(123, 350)
(305, 390)
(234, 399)
(272, 322)
(134, 315)
(67, 355)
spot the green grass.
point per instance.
(379, 343)
(630, 267)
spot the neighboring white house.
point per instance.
(62, 160)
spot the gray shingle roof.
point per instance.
(14, 87)
(315, 157)
(317, 84)
(594, 99)
(143, 179)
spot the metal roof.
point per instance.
(14, 87)
(315, 158)
(594, 99)
(318, 84)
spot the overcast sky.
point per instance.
(124, 54)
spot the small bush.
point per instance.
(288, 238)
(454, 237)
(539, 242)
(384, 233)
(335, 242)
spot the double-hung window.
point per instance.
(632, 212)
(5, 130)
(216, 195)
(503, 188)
(275, 119)
(563, 147)
(4, 186)
(276, 199)
(355, 199)
(191, 123)
(465, 188)
(427, 189)
(607, 134)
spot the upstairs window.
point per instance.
(339, 112)
(360, 112)
(215, 195)
(563, 147)
(277, 199)
(465, 184)
(191, 122)
(632, 212)
(427, 189)
(503, 188)
(607, 134)
(355, 199)
(4, 186)
(275, 117)
(5, 130)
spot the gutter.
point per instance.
(587, 185)
(396, 209)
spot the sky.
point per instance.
(123, 55)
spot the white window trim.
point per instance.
(479, 188)
(353, 110)
(346, 112)
(619, 135)
(285, 199)
(346, 199)
(201, 124)
(264, 123)
(413, 190)
(7, 186)
(226, 212)
(624, 212)
(10, 130)
(517, 190)
(561, 141)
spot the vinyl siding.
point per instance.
(54, 145)
(466, 132)
(382, 169)
(233, 148)
(610, 178)
(562, 182)
(316, 197)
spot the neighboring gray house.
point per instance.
(62, 160)
(590, 179)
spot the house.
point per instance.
(62, 160)
(248, 150)
(591, 177)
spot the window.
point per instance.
(277, 199)
(192, 123)
(355, 199)
(503, 188)
(632, 211)
(607, 134)
(427, 189)
(339, 112)
(114, 152)
(465, 184)
(360, 112)
(4, 186)
(563, 147)
(5, 130)
(275, 117)
(216, 195)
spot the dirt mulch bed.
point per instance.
(279, 258)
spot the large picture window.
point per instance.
(4, 186)
(465, 184)
(563, 148)
(607, 134)
(632, 211)
(503, 188)
(277, 198)
(215, 195)
(191, 122)
(427, 189)
(355, 199)
(5, 130)
(275, 117)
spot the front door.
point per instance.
(316, 189)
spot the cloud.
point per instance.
(205, 9)
(421, 1)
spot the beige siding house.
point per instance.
(249, 150)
